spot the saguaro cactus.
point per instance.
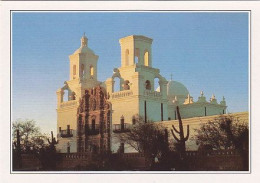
(53, 141)
(18, 144)
(18, 148)
(181, 140)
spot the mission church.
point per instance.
(89, 111)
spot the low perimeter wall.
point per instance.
(228, 160)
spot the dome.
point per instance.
(84, 49)
(84, 46)
(175, 88)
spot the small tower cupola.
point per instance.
(84, 41)
(213, 99)
(223, 102)
(202, 98)
(83, 62)
(188, 100)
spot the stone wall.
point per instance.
(196, 122)
(225, 160)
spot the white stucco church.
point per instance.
(136, 95)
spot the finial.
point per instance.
(175, 99)
(223, 98)
(171, 77)
(201, 93)
(84, 40)
(213, 96)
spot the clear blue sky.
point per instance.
(204, 51)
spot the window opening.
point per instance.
(127, 57)
(137, 55)
(148, 85)
(91, 71)
(116, 84)
(146, 58)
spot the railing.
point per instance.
(66, 133)
(68, 103)
(229, 152)
(75, 155)
(119, 94)
(152, 93)
(92, 129)
(121, 128)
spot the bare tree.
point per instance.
(225, 132)
(30, 135)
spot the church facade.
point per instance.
(90, 111)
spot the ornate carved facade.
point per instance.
(93, 124)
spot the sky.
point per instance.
(203, 50)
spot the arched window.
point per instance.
(116, 84)
(68, 147)
(148, 85)
(146, 58)
(157, 84)
(126, 85)
(82, 70)
(93, 124)
(137, 55)
(126, 57)
(74, 69)
(72, 96)
(65, 95)
(133, 120)
(91, 70)
(122, 122)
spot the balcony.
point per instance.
(92, 129)
(66, 133)
(151, 93)
(120, 94)
(70, 103)
(121, 128)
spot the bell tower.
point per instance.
(136, 50)
(137, 86)
(82, 76)
(83, 62)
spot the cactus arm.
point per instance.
(54, 141)
(49, 141)
(178, 113)
(175, 129)
(180, 124)
(175, 136)
(51, 135)
(188, 133)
